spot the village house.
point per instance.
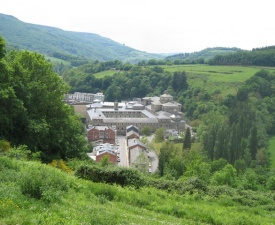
(105, 134)
(102, 150)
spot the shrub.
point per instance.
(43, 182)
(4, 146)
(60, 164)
(226, 176)
(271, 183)
(111, 175)
(193, 184)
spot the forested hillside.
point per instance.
(257, 57)
(201, 56)
(74, 47)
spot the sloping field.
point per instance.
(224, 78)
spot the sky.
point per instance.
(157, 26)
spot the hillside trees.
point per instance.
(32, 109)
(240, 132)
(179, 81)
(258, 57)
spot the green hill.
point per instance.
(65, 45)
(33, 193)
(205, 54)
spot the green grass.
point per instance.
(227, 79)
(85, 202)
(271, 150)
(105, 73)
(56, 60)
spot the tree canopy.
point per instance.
(32, 108)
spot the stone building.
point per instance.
(154, 112)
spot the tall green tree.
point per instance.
(39, 117)
(179, 81)
(187, 139)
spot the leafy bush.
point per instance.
(43, 182)
(193, 184)
(105, 192)
(111, 175)
(271, 183)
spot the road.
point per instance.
(123, 152)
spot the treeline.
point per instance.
(32, 109)
(257, 57)
(72, 59)
(129, 82)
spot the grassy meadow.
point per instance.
(227, 79)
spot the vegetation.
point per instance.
(74, 47)
(32, 109)
(201, 56)
(257, 57)
(51, 196)
(271, 150)
(222, 175)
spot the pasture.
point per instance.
(227, 79)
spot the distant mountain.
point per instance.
(61, 44)
(205, 54)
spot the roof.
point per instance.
(104, 147)
(166, 96)
(153, 99)
(169, 104)
(129, 133)
(131, 126)
(105, 152)
(134, 142)
(157, 103)
(100, 128)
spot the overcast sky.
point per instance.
(157, 26)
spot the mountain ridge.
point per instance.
(49, 40)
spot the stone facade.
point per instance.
(154, 112)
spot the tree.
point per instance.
(39, 118)
(146, 130)
(2, 48)
(159, 135)
(187, 139)
(166, 152)
(179, 81)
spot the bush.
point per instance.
(193, 184)
(111, 175)
(43, 182)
